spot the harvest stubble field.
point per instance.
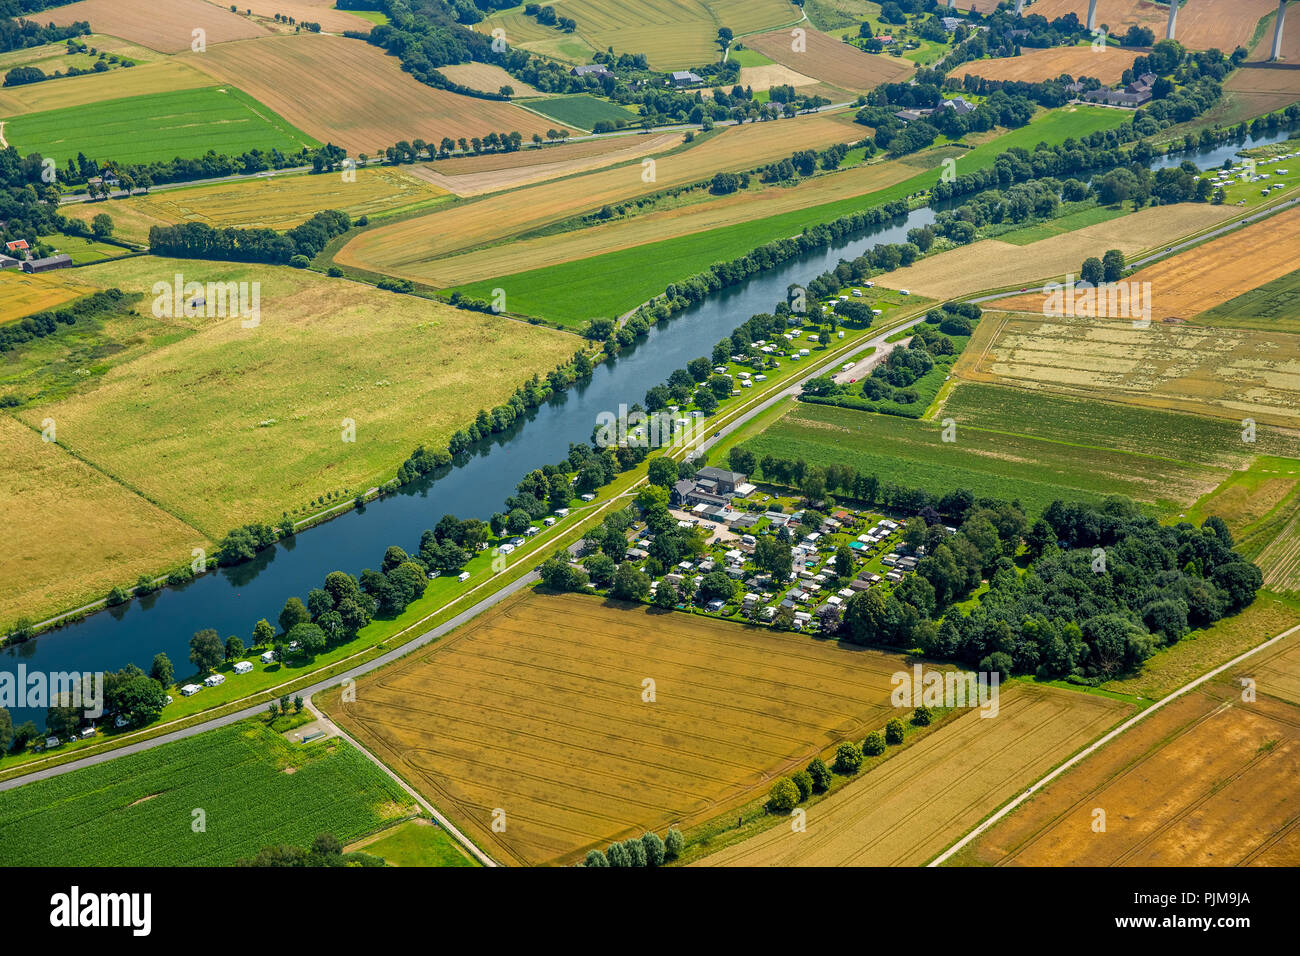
(361, 117)
(166, 27)
(910, 808)
(1037, 66)
(828, 59)
(1200, 25)
(1206, 781)
(536, 709)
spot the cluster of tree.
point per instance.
(325, 850)
(19, 34)
(1105, 587)
(1109, 268)
(298, 246)
(805, 162)
(547, 17)
(649, 850)
(1136, 183)
(1019, 203)
(898, 138)
(41, 324)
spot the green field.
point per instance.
(1036, 471)
(418, 843)
(581, 110)
(157, 127)
(254, 788)
(617, 281)
(747, 57)
(1273, 307)
(1090, 216)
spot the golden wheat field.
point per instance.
(1225, 373)
(413, 245)
(22, 294)
(71, 532)
(231, 424)
(536, 710)
(920, 801)
(486, 77)
(361, 117)
(1206, 781)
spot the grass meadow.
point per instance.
(580, 111)
(157, 126)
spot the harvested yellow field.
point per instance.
(1036, 66)
(362, 117)
(166, 27)
(773, 74)
(713, 213)
(535, 710)
(272, 202)
(487, 77)
(491, 172)
(233, 424)
(1209, 780)
(992, 264)
(1280, 559)
(909, 809)
(70, 532)
(414, 244)
(1189, 283)
(830, 60)
(101, 87)
(1217, 23)
(1225, 373)
(22, 294)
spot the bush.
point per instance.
(635, 852)
(617, 855)
(820, 774)
(894, 731)
(673, 844)
(654, 849)
(848, 758)
(783, 796)
(922, 716)
(874, 745)
(803, 780)
(595, 858)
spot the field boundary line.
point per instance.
(1092, 748)
(443, 822)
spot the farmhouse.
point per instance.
(61, 261)
(599, 70)
(18, 245)
(1134, 95)
(9, 262)
(960, 105)
(684, 78)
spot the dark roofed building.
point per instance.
(726, 481)
(61, 261)
(598, 70)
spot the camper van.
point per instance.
(243, 667)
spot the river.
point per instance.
(231, 600)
